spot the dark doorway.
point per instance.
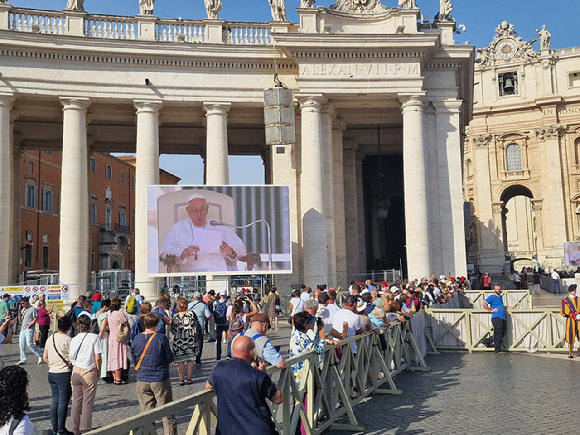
(384, 211)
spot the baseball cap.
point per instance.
(223, 292)
(97, 297)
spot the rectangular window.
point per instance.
(28, 235)
(94, 213)
(45, 238)
(109, 172)
(31, 196)
(45, 257)
(28, 256)
(122, 219)
(122, 177)
(49, 153)
(47, 201)
(93, 165)
(108, 219)
(31, 168)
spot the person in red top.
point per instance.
(486, 281)
(43, 322)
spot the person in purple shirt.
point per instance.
(153, 382)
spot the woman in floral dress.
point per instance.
(185, 329)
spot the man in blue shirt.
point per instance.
(494, 304)
(153, 382)
(264, 347)
(241, 393)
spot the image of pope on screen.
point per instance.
(199, 244)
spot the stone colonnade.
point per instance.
(326, 197)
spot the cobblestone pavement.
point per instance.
(464, 393)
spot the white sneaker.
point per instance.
(224, 341)
(101, 382)
(20, 363)
(39, 360)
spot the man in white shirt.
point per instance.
(195, 243)
(306, 294)
(349, 315)
(555, 282)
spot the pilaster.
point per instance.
(338, 127)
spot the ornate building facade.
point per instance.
(381, 100)
(522, 155)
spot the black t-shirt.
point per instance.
(141, 323)
(241, 395)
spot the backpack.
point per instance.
(236, 326)
(135, 331)
(130, 306)
(220, 311)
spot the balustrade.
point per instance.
(110, 27)
(26, 20)
(180, 31)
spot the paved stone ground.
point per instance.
(479, 393)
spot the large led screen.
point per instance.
(218, 230)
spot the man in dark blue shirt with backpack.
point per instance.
(220, 308)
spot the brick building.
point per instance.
(112, 211)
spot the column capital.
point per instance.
(360, 155)
(351, 145)
(311, 103)
(447, 105)
(412, 102)
(550, 132)
(339, 124)
(148, 106)
(329, 108)
(216, 108)
(6, 100)
(75, 103)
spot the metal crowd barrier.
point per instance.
(528, 330)
(325, 393)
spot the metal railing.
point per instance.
(528, 330)
(324, 395)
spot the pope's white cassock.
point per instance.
(183, 234)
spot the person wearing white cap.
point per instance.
(194, 243)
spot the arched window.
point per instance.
(513, 157)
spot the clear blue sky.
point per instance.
(480, 17)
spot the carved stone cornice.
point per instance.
(480, 140)
(550, 132)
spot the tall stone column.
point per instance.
(284, 173)
(351, 216)
(217, 170)
(339, 212)
(361, 221)
(311, 191)
(417, 225)
(74, 203)
(451, 200)
(555, 212)
(16, 221)
(6, 231)
(328, 112)
(146, 173)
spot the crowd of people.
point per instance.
(97, 334)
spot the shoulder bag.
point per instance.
(138, 366)
(68, 363)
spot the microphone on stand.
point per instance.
(216, 223)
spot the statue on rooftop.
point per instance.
(445, 8)
(75, 5)
(407, 4)
(212, 8)
(278, 9)
(360, 6)
(146, 7)
(545, 37)
(306, 3)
